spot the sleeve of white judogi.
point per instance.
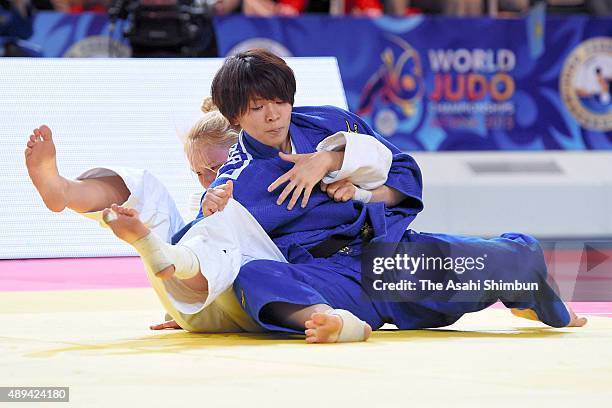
(366, 161)
(156, 208)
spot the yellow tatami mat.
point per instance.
(98, 344)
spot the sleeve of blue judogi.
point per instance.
(404, 175)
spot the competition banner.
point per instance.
(427, 83)
(437, 83)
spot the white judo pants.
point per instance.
(222, 242)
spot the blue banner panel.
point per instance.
(79, 35)
(437, 83)
(427, 83)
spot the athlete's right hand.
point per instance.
(307, 171)
(216, 198)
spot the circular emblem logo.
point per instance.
(586, 83)
(98, 46)
(386, 122)
(260, 42)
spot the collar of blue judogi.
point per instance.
(262, 151)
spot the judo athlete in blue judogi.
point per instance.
(321, 238)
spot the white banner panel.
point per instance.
(122, 112)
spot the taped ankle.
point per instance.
(158, 255)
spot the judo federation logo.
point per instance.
(396, 88)
(261, 42)
(98, 46)
(586, 83)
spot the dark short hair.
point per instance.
(252, 74)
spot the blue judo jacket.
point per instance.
(253, 166)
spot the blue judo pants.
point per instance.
(336, 281)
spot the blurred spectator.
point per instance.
(448, 7)
(596, 7)
(224, 7)
(371, 8)
(502, 7)
(262, 8)
(513, 6)
(15, 26)
(42, 5)
(15, 19)
(462, 7)
(599, 7)
(79, 6)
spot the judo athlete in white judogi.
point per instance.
(224, 241)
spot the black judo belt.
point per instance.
(338, 242)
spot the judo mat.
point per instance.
(84, 323)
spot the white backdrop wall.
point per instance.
(129, 112)
(133, 112)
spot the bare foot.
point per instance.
(575, 321)
(40, 158)
(127, 226)
(325, 328)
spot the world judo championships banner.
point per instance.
(434, 83)
(428, 83)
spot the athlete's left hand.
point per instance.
(306, 173)
(216, 198)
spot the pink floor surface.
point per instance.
(125, 272)
(72, 274)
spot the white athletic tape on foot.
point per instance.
(353, 329)
(159, 255)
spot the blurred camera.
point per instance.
(167, 28)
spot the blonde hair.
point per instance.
(212, 130)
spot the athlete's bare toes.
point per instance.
(323, 328)
(575, 320)
(336, 326)
(45, 132)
